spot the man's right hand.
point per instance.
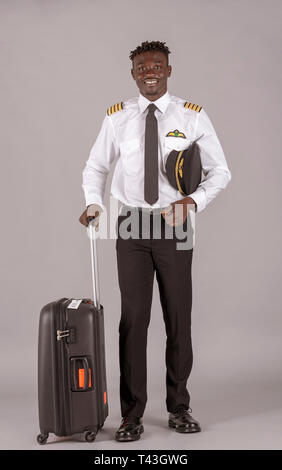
(94, 210)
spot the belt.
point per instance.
(156, 210)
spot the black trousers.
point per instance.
(137, 261)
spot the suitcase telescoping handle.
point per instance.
(94, 263)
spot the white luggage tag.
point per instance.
(75, 304)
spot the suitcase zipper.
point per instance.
(63, 376)
(98, 368)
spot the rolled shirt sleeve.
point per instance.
(214, 167)
(95, 172)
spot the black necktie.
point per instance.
(151, 165)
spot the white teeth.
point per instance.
(150, 82)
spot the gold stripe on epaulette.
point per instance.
(194, 107)
(116, 107)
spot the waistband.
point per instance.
(156, 210)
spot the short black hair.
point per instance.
(150, 46)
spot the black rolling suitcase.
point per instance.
(72, 388)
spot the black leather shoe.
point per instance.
(182, 421)
(130, 429)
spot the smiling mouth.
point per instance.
(151, 82)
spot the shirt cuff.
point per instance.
(199, 196)
(95, 201)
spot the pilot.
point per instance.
(169, 164)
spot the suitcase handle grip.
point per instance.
(86, 373)
(85, 378)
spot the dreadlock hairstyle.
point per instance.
(150, 46)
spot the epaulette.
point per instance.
(116, 107)
(194, 107)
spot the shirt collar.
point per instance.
(161, 103)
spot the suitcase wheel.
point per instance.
(42, 438)
(90, 436)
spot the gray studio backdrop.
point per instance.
(62, 64)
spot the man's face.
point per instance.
(150, 71)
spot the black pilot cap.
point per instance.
(184, 169)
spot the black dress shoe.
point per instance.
(182, 421)
(130, 429)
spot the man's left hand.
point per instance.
(176, 213)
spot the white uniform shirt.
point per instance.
(122, 138)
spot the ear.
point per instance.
(132, 73)
(169, 70)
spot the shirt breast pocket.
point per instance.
(131, 154)
(176, 143)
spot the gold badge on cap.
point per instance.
(179, 170)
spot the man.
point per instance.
(140, 133)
